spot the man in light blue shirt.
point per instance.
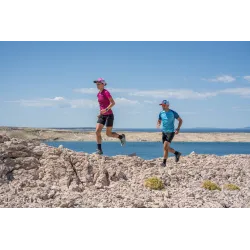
(167, 118)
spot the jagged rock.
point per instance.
(33, 174)
(3, 138)
(102, 179)
(132, 155)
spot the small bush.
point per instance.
(210, 185)
(154, 183)
(231, 187)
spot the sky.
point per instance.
(50, 84)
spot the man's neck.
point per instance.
(166, 109)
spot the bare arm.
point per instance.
(158, 124)
(111, 104)
(179, 125)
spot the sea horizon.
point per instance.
(147, 130)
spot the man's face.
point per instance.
(165, 106)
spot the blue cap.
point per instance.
(166, 102)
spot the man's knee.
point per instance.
(166, 146)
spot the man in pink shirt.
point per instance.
(106, 116)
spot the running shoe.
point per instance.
(177, 156)
(99, 152)
(123, 140)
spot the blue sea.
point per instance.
(151, 150)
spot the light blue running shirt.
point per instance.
(168, 119)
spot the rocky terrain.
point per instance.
(33, 174)
(71, 135)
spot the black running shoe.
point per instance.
(163, 164)
(177, 156)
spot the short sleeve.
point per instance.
(107, 94)
(160, 116)
(176, 116)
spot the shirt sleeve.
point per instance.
(176, 115)
(107, 94)
(159, 117)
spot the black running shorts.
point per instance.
(107, 120)
(167, 137)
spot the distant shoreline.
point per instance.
(73, 135)
(148, 130)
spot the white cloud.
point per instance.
(58, 102)
(34, 103)
(58, 99)
(91, 91)
(122, 100)
(222, 78)
(243, 92)
(114, 90)
(171, 93)
(247, 78)
(86, 90)
(174, 93)
(189, 94)
(150, 102)
(83, 103)
(72, 103)
(61, 102)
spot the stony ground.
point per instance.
(37, 175)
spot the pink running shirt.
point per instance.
(103, 99)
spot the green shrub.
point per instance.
(154, 183)
(210, 185)
(231, 187)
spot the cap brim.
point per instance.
(95, 81)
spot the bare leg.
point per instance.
(176, 153)
(109, 133)
(165, 150)
(98, 131)
(122, 137)
(171, 149)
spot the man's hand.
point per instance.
(179, 126)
